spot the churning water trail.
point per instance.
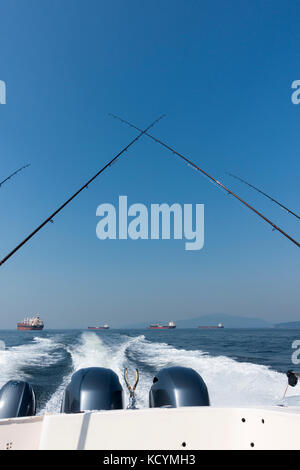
(21, 362)
(230, 383)
(92, 351)
(48, 361)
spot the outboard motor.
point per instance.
(17, 399)
(178, 386)
(93, 388)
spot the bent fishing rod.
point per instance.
(265, 194)
(13, 174)
(50, 218)
(221, 185)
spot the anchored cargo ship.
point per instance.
(34, 323)
(171, 325)
(214, 326)
(104, 327)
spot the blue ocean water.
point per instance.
(239, 366)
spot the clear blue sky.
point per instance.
(222, 72)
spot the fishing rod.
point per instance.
(50, 218)
(189, 162)
(265, 194)
(14, 173)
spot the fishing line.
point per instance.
(13, 174)
(275, 227)
(50, 218)
(265, 194)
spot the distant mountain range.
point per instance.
(290, 324)
(229, 321)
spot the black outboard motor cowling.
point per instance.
(93, 388)
(178, 386)
(17, 399)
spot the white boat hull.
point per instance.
(187, 428)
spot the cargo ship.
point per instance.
(171, 325)
(213, 326)
(104, 327)
(34, 323)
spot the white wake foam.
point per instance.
(229, 382)
(39, 353)
(92, 351)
